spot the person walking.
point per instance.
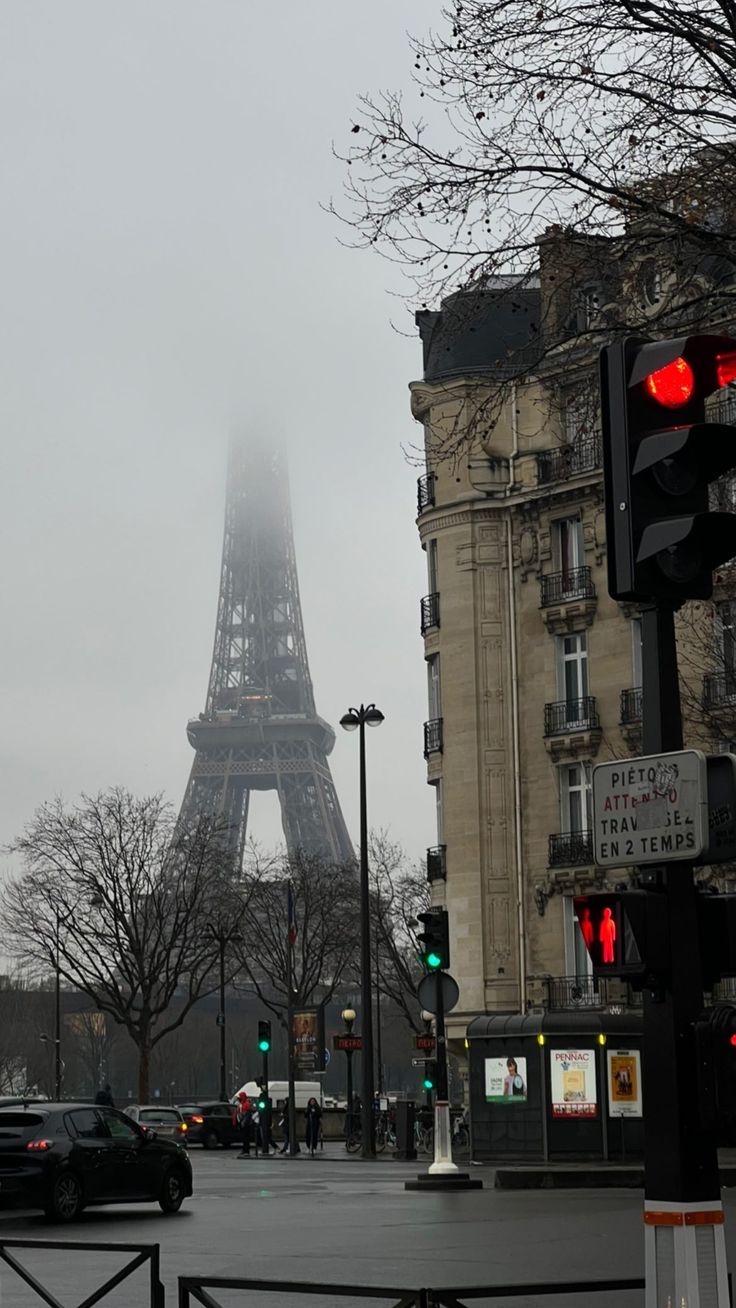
(105, 1097)
(243, 1120)
(313, 1118)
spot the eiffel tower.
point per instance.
(260, 729)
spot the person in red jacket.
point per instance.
(243, 1120)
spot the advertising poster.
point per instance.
(308, 1036)
(573, 1083)
(506, 1080)
(624, 1083)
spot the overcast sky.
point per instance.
(166, 273)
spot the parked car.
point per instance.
(168, 1123)
(60, 1157)
(210, 1124)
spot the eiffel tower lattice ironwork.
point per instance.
(260, 729)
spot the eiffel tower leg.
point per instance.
(311, 816)
(221, 794)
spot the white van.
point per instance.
(303, 1092)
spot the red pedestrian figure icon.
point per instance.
(586, 926)
(607, 936)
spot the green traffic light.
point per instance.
(428, 1083)
(261, 1103)
(433, 960)
(264, 1046)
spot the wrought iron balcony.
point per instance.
(567, 460)
(429, 607)
(433, 737)
(558, 587)
(425, 492)
(631, 706)
(571, 715)
(719, 688)
(571, 849)
(576, 992)
(437, 863)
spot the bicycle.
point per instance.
(423, 1137)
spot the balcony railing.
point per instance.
(571, 849)
(576, 583)
(570, 715)
(719, 688)
(425, 492)
(433, 737)
(564, 992)
(631, 706)
(437, 863)
(429, 608)
(567, 460)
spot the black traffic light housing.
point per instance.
(625, 932)
(659, 458)
(430, 1075)
(264, 1035)
(715, 1043)
(435, 940)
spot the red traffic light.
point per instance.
(732, 1039)
(726, 368)
(673, 385)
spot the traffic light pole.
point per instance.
(443, 1164)
(683, 1213)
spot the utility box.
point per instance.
(405, 1116)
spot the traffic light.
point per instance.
(624, 932)
(430, 1076)
(262, 1102)
(435, 939)
(264, 1036)
(715, 1043)
(659, 457)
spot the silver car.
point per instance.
(168, 1123)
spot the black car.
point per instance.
(61, 1157)
(209, 1123)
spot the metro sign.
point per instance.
(348, 1044)
(427, 1042)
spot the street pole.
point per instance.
(443, 1163)
(367, 1120)
(682, 1196)
(223, 1068)
(291, 1105)
(379, 1043)
(57, 1020)
(349, 1056)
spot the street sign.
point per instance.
(427, 991)
(349, 1044)
(646, 810)
(418, 1062)
(425, 1042)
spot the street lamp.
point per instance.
(348, 1017)
(366, 715)
(221, 937)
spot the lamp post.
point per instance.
(221, 937)
(57, 1012)
(366, 715)
(348, 1017)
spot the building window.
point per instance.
(589, 306)
(432, 566)
(577, 958)
(433, 687)
(726, 636)
(568, 544)
(439, 812)
(572, 667)
(575, 798)
(636, 648)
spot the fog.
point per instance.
(168, 275)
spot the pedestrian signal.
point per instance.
(661, 451)
(715, 1043)
(624, 932)
(264, 1036)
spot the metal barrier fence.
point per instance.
(143, 1253)
(196, 1290)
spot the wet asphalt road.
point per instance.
(326, 1219)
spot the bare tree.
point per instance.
(118, 893)
(325, 898)
(537, 135)
(398, 893)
